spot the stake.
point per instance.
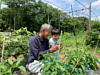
(60, 43)
(3, 49)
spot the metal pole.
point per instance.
(74, 30)
(89, 27)
(59, 21)
(0, 3)
(72, 10)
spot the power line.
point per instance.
(77, 10)
(85, 6)
(80, 3)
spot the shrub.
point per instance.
(93, 38)
(15, 43)
(8, 67)
(22, 31)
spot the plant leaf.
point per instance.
(22, 68)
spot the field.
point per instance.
(78, 57)
(79, 50)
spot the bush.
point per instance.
(93, 38)
(8, 67)
(96, 25)
(22, 31)
(16, 43)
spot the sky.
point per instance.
(65, 5)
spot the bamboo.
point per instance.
(60, 51)
(3, 47)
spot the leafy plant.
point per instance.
(53, 66)
(8, 67)
(81, 61)
(22, 31)
(76, 63)
(15, 43)
(93, 38)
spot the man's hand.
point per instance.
(53, 48)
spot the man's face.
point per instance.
(46, 33)
(56, 36)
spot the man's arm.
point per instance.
(49, 49)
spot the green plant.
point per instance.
(22, 31)
(8, 67)
(15, 43)
(93, 38)
(53, 66)
(85, 62)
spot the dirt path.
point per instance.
(95, 54)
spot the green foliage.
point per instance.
(22, 31)
(93, 38)
(8, 67)
(96, 25)
(15, 43)
(85, 62)
(70, 40)
(55, 67)
(81, 60)
(30, 14)
(75, 24)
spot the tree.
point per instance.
(30, 14)
(75, 24)
(96, 25)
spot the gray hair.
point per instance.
(46, 27)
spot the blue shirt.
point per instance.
(37, 47)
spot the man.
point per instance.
(39, 45)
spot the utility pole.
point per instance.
(89, 27)
(59, 20)
(74, 31)
(0, 3)
(72, 10)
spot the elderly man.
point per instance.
(39, 45)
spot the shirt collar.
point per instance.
(40, 38)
